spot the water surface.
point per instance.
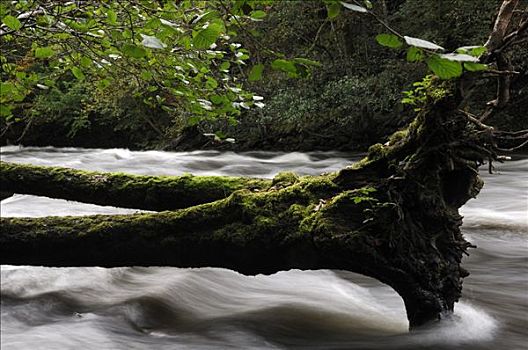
(172, 308)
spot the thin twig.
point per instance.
(513, 148)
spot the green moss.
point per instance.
(298, 211)
(363, 162)
(123, 190)
(284, 179)
(376, 151)
(264, 221)
(398, 136)
(280, 211)
(322, 186)
(288, 211)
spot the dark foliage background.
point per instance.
(350, 102)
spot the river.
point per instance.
(210, 308)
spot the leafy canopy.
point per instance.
(444, 65)
(181, 55)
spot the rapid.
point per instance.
(210, 308)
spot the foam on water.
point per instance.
(257, 164)
(468, 324)
(33, 207)
(503, 202)
(208, 294)
(192, 303)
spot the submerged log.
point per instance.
(392, 216)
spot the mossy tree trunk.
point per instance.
(392, 216)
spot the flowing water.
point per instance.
(172, 308)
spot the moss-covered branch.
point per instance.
(249, 232)
(121, 190)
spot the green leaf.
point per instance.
(44, 52)
(86, 62)
(206, 37)
(44, 20)
(389, 40)
(82, 27)
(444, 68)
(7, 89)
(134, 51)
(111, 17)
(211, 83)
(116, 35)
(77, 72)
(478, 51)
(424, 44)
(368, 4)
(153, 23)
(224, 66)
(217, 100)
(102, 84)
(307, 62)
(354, 7)
(146, 75)
(475, 67)
(333, 10)
(475, 51)
(204, 17)
(193, 120)
(20, 75)
(12, 22)
(3, 10)
(185, 42)
(460, 57)
(256, 72)
(5, 110)
(284, 65)
(258, 15)
(152, 42)
(414, 54)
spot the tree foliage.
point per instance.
(180, 55)
(444, 65)
(194, 59)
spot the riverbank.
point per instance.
(254, 139)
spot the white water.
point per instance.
(171, 308)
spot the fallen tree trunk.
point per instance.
(392, 216)
(121, 190)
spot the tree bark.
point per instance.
(392, 216)
(501, 25)
(121, 190)
(496, 44)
